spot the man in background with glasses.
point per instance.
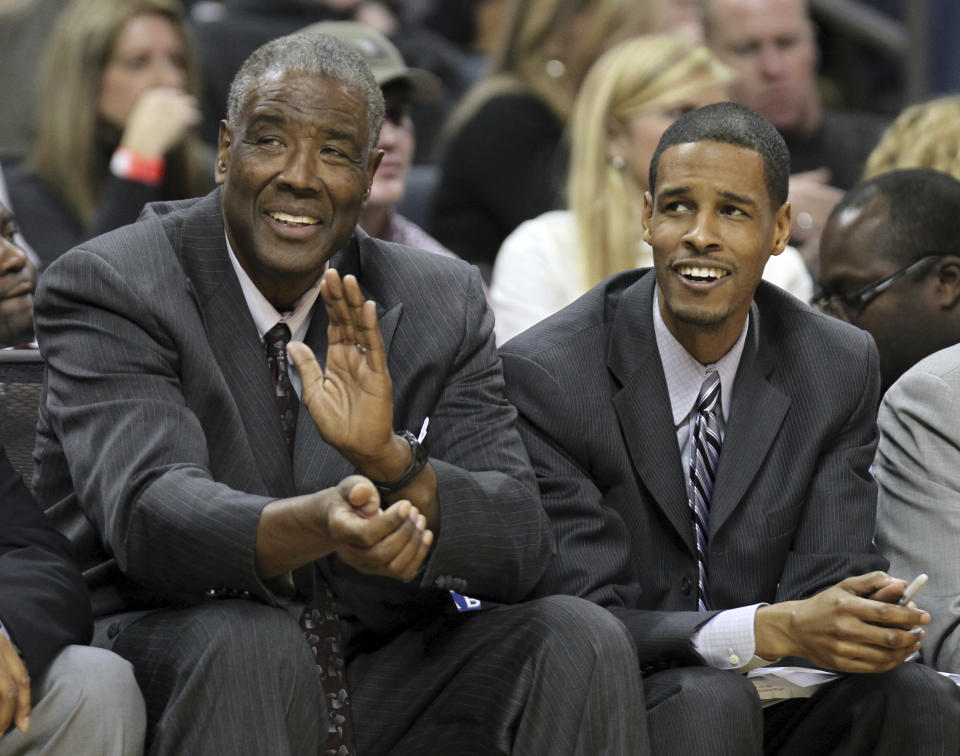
(890, 264)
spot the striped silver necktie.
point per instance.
(707, 435)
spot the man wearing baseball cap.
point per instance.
(401, 86)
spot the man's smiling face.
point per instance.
(712, 225)
(295, 171)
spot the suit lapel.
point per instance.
(643, 405)
(234, 341)
(756, 414)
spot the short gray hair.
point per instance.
(311, 53)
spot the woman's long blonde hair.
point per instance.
(640, 75)
(534, 33)
(66, 153)
(926, 135)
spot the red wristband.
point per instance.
(127, 164)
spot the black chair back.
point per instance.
(21, 384)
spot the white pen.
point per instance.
(913, 589)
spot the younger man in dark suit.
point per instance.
(702, 443)
(210, 510)
(56, 695)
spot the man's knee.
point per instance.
(580, 628)
(914, 695)
(95, 696)
(207, 667)
(913, 687)
(219, 640)
(686, 702)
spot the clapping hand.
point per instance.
(351, 400)
(391, 543)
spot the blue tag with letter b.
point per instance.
(465, 603)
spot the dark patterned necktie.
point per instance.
(319, 620)
(275, 343)
(705, 455)
(321, 625)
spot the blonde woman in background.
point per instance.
(117, 113)
(503, 158)
(926, 135)
(632, 94)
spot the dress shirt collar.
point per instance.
(264, 314)
(685, 374)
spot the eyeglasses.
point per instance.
(849, 306)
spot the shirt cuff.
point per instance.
(726, 641)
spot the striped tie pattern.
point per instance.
(707, 434)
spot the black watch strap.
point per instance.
(418, 460)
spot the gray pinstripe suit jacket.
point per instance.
(918, 472)
(159, 442)
(793, 504)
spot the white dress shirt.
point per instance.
(265, 315)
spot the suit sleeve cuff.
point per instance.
(726, 641)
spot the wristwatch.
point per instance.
(418, 460)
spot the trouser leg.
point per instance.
(554, 676)
(909, 710)
(85, 702)
(228, 676)
(701, 710)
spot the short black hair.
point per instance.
(923, 206)
(729, 123)
(311, 53)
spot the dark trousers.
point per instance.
(908, 710)
(554, 676)
(229, 676)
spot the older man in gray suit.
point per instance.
(918, 472)
(208, 508)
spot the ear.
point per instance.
(948, 282)
(647, 215)
(224, 141)
(781, 229)
(372, 164)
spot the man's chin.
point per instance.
(16, 330)
(17, 306)
(706, 318)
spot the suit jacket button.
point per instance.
(114, 630)
(685, 586)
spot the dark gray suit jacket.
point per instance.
(43, 603)
(793, 503)
(159, 440)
